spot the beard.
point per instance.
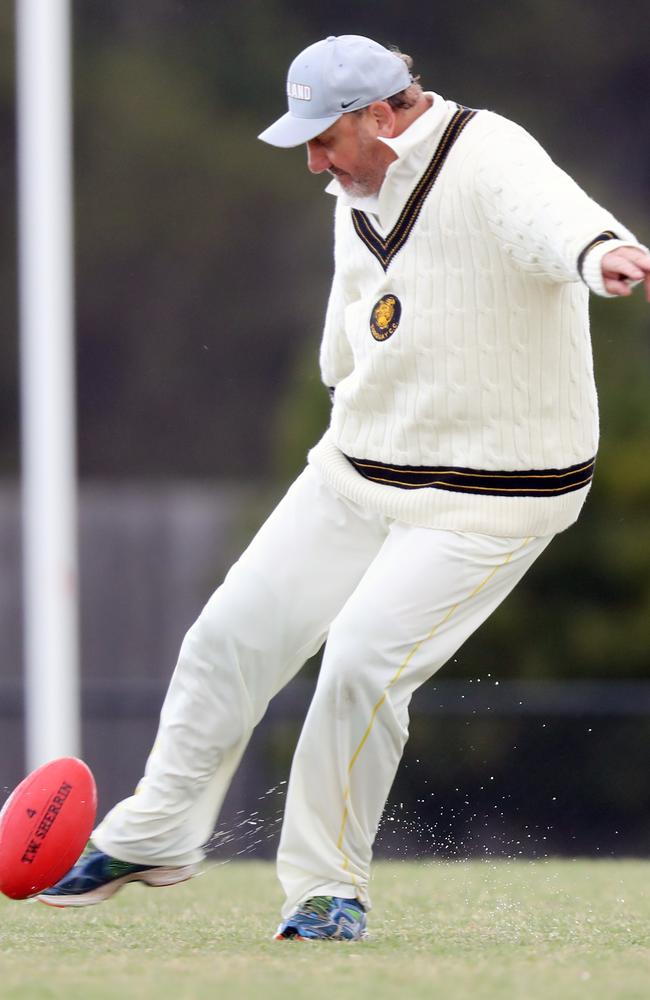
(362, 186)
(368, 177)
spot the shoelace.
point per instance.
(319, 906)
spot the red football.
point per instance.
(44, 826)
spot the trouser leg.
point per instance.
(421, 598)
(271, 614)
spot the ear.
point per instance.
(384, 118)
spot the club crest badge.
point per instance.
(385, 317)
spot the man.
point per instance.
(463, 437)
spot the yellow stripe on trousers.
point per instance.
(394, 679)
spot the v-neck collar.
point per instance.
(384, 248)
(412, 150)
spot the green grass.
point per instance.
(556, 930)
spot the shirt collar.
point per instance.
(413, 149)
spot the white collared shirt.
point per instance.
(411, 160)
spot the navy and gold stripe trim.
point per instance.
(601, 238)
(384, 249)
(531, 483)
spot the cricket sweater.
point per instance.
(456, 339)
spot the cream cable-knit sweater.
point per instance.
(484, 364)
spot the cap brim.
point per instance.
(291, 131)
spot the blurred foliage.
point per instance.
(204, 259)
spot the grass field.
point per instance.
(551, 929)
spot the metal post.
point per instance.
(47, 380)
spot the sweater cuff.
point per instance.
(590, 262)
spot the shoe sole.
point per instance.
(153, 877)
(298, 937)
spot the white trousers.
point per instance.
(394, 602)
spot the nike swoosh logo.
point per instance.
(349, 102)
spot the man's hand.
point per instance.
(623, 265)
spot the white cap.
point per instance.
(330, 78)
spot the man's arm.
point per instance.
(336, 359)
(543, 219)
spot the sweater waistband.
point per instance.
(519, 483)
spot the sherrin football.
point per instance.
(44, 826)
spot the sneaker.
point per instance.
(96, 877)
(325, 918)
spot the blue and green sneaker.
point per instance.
(328, 918)
(96, 877)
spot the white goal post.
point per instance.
(46, 304)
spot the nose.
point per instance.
(317, 158)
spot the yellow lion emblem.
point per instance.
(385, 317)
